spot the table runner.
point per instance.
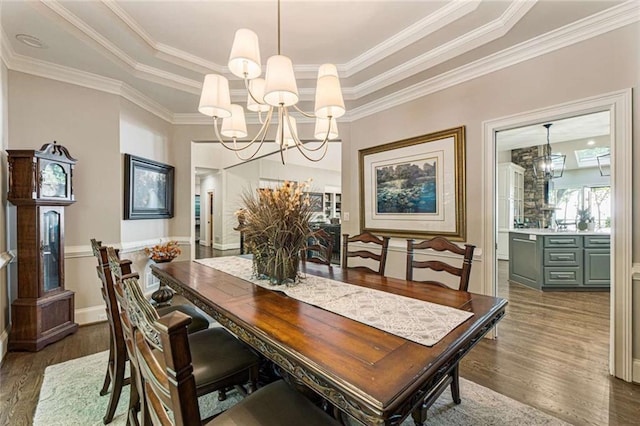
(416, 320)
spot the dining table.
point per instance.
(373, 375)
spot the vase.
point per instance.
(582, 225)
(163, 295)
(163, 260)
(276, 267)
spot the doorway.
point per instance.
(210, 222)
(618, 106)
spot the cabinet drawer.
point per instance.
(562, 257)
(564, 276)
(597, 241)
(572, 241)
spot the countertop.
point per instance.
(548, 231)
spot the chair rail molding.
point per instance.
(619, 105)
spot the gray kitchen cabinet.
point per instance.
(548, 262)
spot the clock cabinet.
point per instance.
(40, 186)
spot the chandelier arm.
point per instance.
(297, 140)
(315, 160)
(246, 86)
(306, 114)
(264, 134)
(262, 131)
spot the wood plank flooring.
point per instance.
(551, 353)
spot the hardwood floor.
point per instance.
(203, 252)
(552, 353)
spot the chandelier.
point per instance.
(548, 166)
(275, 94)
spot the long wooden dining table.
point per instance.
(372, 375)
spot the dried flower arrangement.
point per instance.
(276, 228)
(163, 252)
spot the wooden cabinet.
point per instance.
(41, 185)
(560, 262)
(510, 203)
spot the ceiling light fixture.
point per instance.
(548, 166)
(277, 92)
(31, 41)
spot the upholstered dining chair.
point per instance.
(170, 385)
(366, 237)
(118, 356)
(220, 361)
(319, 248)
(441, 244)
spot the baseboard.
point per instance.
(4, 344)
(90, 315)
(636, 371)
(223, 247)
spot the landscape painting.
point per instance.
(415, 187)
(407, 188)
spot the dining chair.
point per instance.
(220, 361)
(369, 238)
(118, 355)
(442, 244)
(319, 248)
(170, 385)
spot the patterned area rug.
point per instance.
(70, 397)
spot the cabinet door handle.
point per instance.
(564, 258)
(559, 275)
(562, 241)
(599, 242)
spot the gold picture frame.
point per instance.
(415, 188)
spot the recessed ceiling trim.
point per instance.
(463, 44)
(589, 27)
(421, 29)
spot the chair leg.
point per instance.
(455, 385)
(118, 383)
(134, 399)
(419, 415)
(107, 376)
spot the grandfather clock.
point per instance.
(40, 186)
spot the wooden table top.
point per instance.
(375, 376)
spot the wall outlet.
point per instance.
(345, 216)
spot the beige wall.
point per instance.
(600, 65)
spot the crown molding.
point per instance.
(426, 26)
(76, 77)
(592, 26)
(463, 44)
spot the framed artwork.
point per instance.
(315, 201)
(415, 187)
(148, 189)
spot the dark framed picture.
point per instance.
(315, 201)
(415, 187)
(148, 189)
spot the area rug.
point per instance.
(70, 396)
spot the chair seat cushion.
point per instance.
(276, 404)
(198, 320)
(216, 356)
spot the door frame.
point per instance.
(619, 104)
(210, 217)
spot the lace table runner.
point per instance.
(416, 320)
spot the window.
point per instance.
(588, 157)
(597, 199)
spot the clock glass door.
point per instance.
(51, 248)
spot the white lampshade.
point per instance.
(215, 100)
(288, 140)
(234, 126)
(280, 87)
(245, 55)
(329, 102)
(321, 129)
(256, 87)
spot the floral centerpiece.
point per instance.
(163, 252)
(276, 228)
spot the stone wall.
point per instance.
(536, 212)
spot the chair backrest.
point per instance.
(441, 244)
(169, 386)
(319, 248)
(365, 237)
(108, 293)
